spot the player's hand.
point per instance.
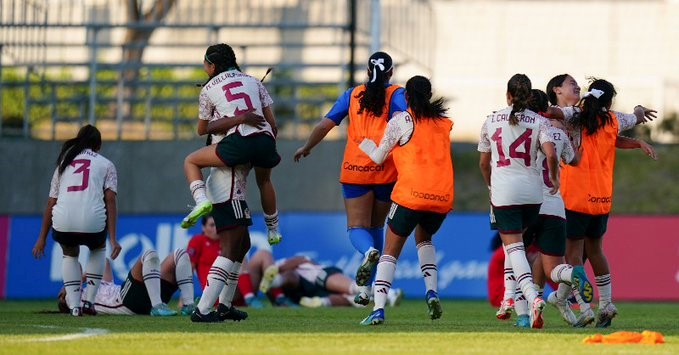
(254, 120)
(39, 248)
(644, 114)
(648, 150)
(115, 249)
(301, 153)
(555, 185)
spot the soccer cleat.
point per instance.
(434, 305)
(274, 237)
(230, 313)
(365, 271)
(162, 310)
(522, 321)
(88, 308)
(606, 315)
(505, 310)
(76, 311)
(198, 317)
(282, 301)
(579, 282)
(269, 274)
(187, 309)
(536, 320)
(374, 318)
(254, 302)
(198, 211)
(564, 308)
(585, 318)
(362, 298)
(311, 302)
(394, 297)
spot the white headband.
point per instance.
(377, 63)
(594, 92)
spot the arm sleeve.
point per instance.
(567, 153)
(54, 184)
(625, 121)
(205, 106)
(341, 107)
(484, 142)
(399, 130)
(264, 96)
(111, 181)
(544, 135)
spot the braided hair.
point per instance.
(88, 137)
(594, 111)
(380, 68)
(519, 87)
(222, 56)
(418, 91)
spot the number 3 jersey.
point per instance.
(233, 93)
(515, 175)
(79, 191)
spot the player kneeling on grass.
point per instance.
(149, 286)
(418, 139)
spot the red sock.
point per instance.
(276, 292)
(245, 285)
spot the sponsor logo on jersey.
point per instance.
(430, 196)
(599, 199)
(362, 168)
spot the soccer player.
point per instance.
(148, 288)
(509, 143)
(588, 188)
(366, 186)
(241, 101)
(418, 139)
(81, 210)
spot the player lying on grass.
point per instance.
(149, 286)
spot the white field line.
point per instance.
(86, 333)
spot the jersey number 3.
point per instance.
(231, 97)
(524, 140)
(82, 166)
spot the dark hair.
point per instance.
(204, 219)
(594, 111)
(222, 56)
(418, 91)
(519, 87)
(380, 67)
(554, 83)
(88, 138)
(538, 101)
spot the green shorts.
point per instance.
(136, 298)
(402, 220)
(582, 225)
(514, 219)
(231, 214)
(258, 150)
(548, 234)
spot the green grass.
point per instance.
(467, 327)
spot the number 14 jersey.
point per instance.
(515, 176)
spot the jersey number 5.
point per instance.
(231, 97)
(82, 166)
(524, 139)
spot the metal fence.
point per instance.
(132, 66)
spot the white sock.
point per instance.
(426, 253)
(583, 305)
(216, 280)
(271, 221)
(354, 288)
(510, 280)
(70, 269)
(94, 271)
(386, 269)
(184, 276)
(277, 281)
(150, 269)
(522, 271)
(563, 292)
(539, 289)
(520, 303)
(226, 296)
(562, 273)
(198, 191)
(603, 283)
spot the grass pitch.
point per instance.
(467, 327)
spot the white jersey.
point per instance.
(227, 183)
(515, 175)
(232, 93)
(79, 191)
(553, 204)
(109, 301)
(307, 270)
(625, 121)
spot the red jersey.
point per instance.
(203, 251)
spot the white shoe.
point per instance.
(606, 315)
(585, 318)
(564, 308)
(311, 302)
(505, 310)
(394, 297)
(269, 274)
(536, 320)
(362, 298)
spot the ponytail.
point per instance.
(519, 87)
(88, 137)
(594, 107)
(418, 92)
(380, 68)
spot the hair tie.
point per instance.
(594, 92)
